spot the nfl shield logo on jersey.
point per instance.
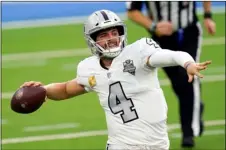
(129, 67)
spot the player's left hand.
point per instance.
(195, 68)
(210, 26)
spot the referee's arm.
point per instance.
(208, 22)
(207, 6)
(134, 13)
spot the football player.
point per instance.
(125, 79)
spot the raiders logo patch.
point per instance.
(129, 67)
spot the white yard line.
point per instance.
(47, 54)
(4, 121)
(208, 123)
(213, 41)
(207, 78)
(85, 134)
(215, 70)
(163, 82)
(50, 127)
(206, 133)
(24, 63)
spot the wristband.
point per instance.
(153, 28)
(186, 65)
(208, 15)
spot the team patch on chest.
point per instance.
(128, 66)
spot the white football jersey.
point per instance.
(130, 94)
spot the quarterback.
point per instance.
(126, 82)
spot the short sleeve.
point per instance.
(134, 5)
(82, 76)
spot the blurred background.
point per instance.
(43, 41)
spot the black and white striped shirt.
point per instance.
(180, 13)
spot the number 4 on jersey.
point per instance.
(152, 43)
(119, 103)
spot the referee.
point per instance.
(174, 25)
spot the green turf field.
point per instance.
(79, 123)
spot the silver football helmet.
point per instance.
(98, 21)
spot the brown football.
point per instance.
(28, 99)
